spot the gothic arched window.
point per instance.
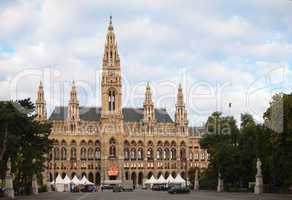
(159, 154)
(63, 153)
(183, 154)
(90, 154)
(56, 153)
(133, 154)
(73, 153)
(173, 154)
(112, 148)
(126, 154)
(126, 150)
(166, 154)
(83, 153)
(149, 154)
(111, 100)
(97, 153)
(140, 154)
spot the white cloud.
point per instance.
(157, 40)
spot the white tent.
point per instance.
(59, 180)
(179, 179)
(85, 181)
(170, 179)
(151, 181)
(76, 181)
(67, 180)
(161, 180)
(59, 184)
(67, 183)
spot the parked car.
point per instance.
(88, 188)
(178, 189)
(127, 186)
(159, 187)
(106, 187)
(156, 187)
(117, 188)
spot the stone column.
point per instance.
(220, 186)
(196, 183)
(9, 192)
(258, 189)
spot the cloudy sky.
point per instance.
(220, 50)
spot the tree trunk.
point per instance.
(4, 145)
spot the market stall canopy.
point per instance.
(170, 179)
(161, 180)
(76, 181)
(179, 179)
(59, 180)
(85, 181)
(152, 180)
(67, 180)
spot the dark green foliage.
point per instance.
(22, 139)
(279, 118)
(234, 151)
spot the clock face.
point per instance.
(111, 73)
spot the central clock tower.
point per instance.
(111, 84)
(111, 111)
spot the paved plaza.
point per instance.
(153, 195)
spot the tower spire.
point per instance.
(73, 109)
(149, 114)
(41, 104)
(110, 27)
(111, 56)
(180, 113)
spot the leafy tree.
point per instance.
(278, 118)
(23, 139)
(234, 151)
(221, 141)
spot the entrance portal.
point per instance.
(112, 177)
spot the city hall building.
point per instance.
(115, 143)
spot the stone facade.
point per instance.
(111, 142)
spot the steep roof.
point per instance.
(60, 113)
